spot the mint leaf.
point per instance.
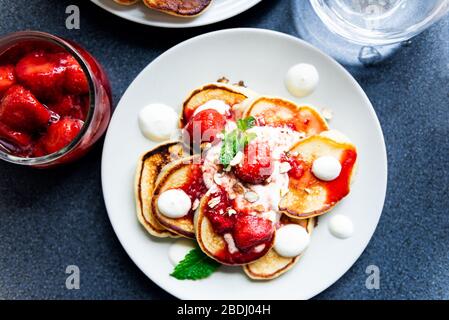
(237, 140)
(195, 266)
(245, 124)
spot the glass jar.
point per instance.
(12, 46)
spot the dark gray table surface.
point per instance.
(55, 218)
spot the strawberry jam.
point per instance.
(252, 234)
(306, 120)
(55, 99)
(194, 186)
(301, 176)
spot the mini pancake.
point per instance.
(232, 95)
(184, 174)
(126, 2)
(308, 196)
(148, 168)
(272, 265)
(215, 246)
(179, 8)
(277, 112)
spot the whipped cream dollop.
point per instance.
(302, 79)
(158, 122)
(326, 168)
(291, 240)
(217, 105)
(179, 249)
(174, 203)
(341, 226)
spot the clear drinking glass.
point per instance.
(369, 30)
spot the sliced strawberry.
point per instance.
(69, 106)
(250, 231)
(21, 111)
(7, 78)
(204, 126)
(19, 139)
(42, 73)
(75, 80)
(60, 134)
(257, 165)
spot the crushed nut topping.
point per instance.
(231, 212)
(307, 190)
(241, 83)
(251, 196)
(213, 202)
(195, 204)
(238, 188)
(223, 80)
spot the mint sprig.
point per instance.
(195, 266)
(236, 140)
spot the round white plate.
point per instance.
(219, 10)
(203, 59)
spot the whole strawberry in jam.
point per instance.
(204, 126)
(42, 73)
(59, 135)
(21, 111)
(257, 164)
(17, 139)
(75, 80)
(251, 231)
(7, 78)
(71, 106)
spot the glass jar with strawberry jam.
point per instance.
(55, 100)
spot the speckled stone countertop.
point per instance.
(52, 219)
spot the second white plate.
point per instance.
(219, 10)
(260, 58)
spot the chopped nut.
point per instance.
(241, 83)
(327, 113)
(218, 178)
(259, 208)
(307, 190)
(237, 159)
(195, 204)
(238, 188)
(213, 202)
(251, 196)
(223, 80)
(259, 248)
(231, 212)
(284, 167)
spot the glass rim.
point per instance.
(43, 36)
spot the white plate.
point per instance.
(203, 59)
(219, 10)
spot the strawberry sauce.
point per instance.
(194, 187)
(303, 121)
(301, 176)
